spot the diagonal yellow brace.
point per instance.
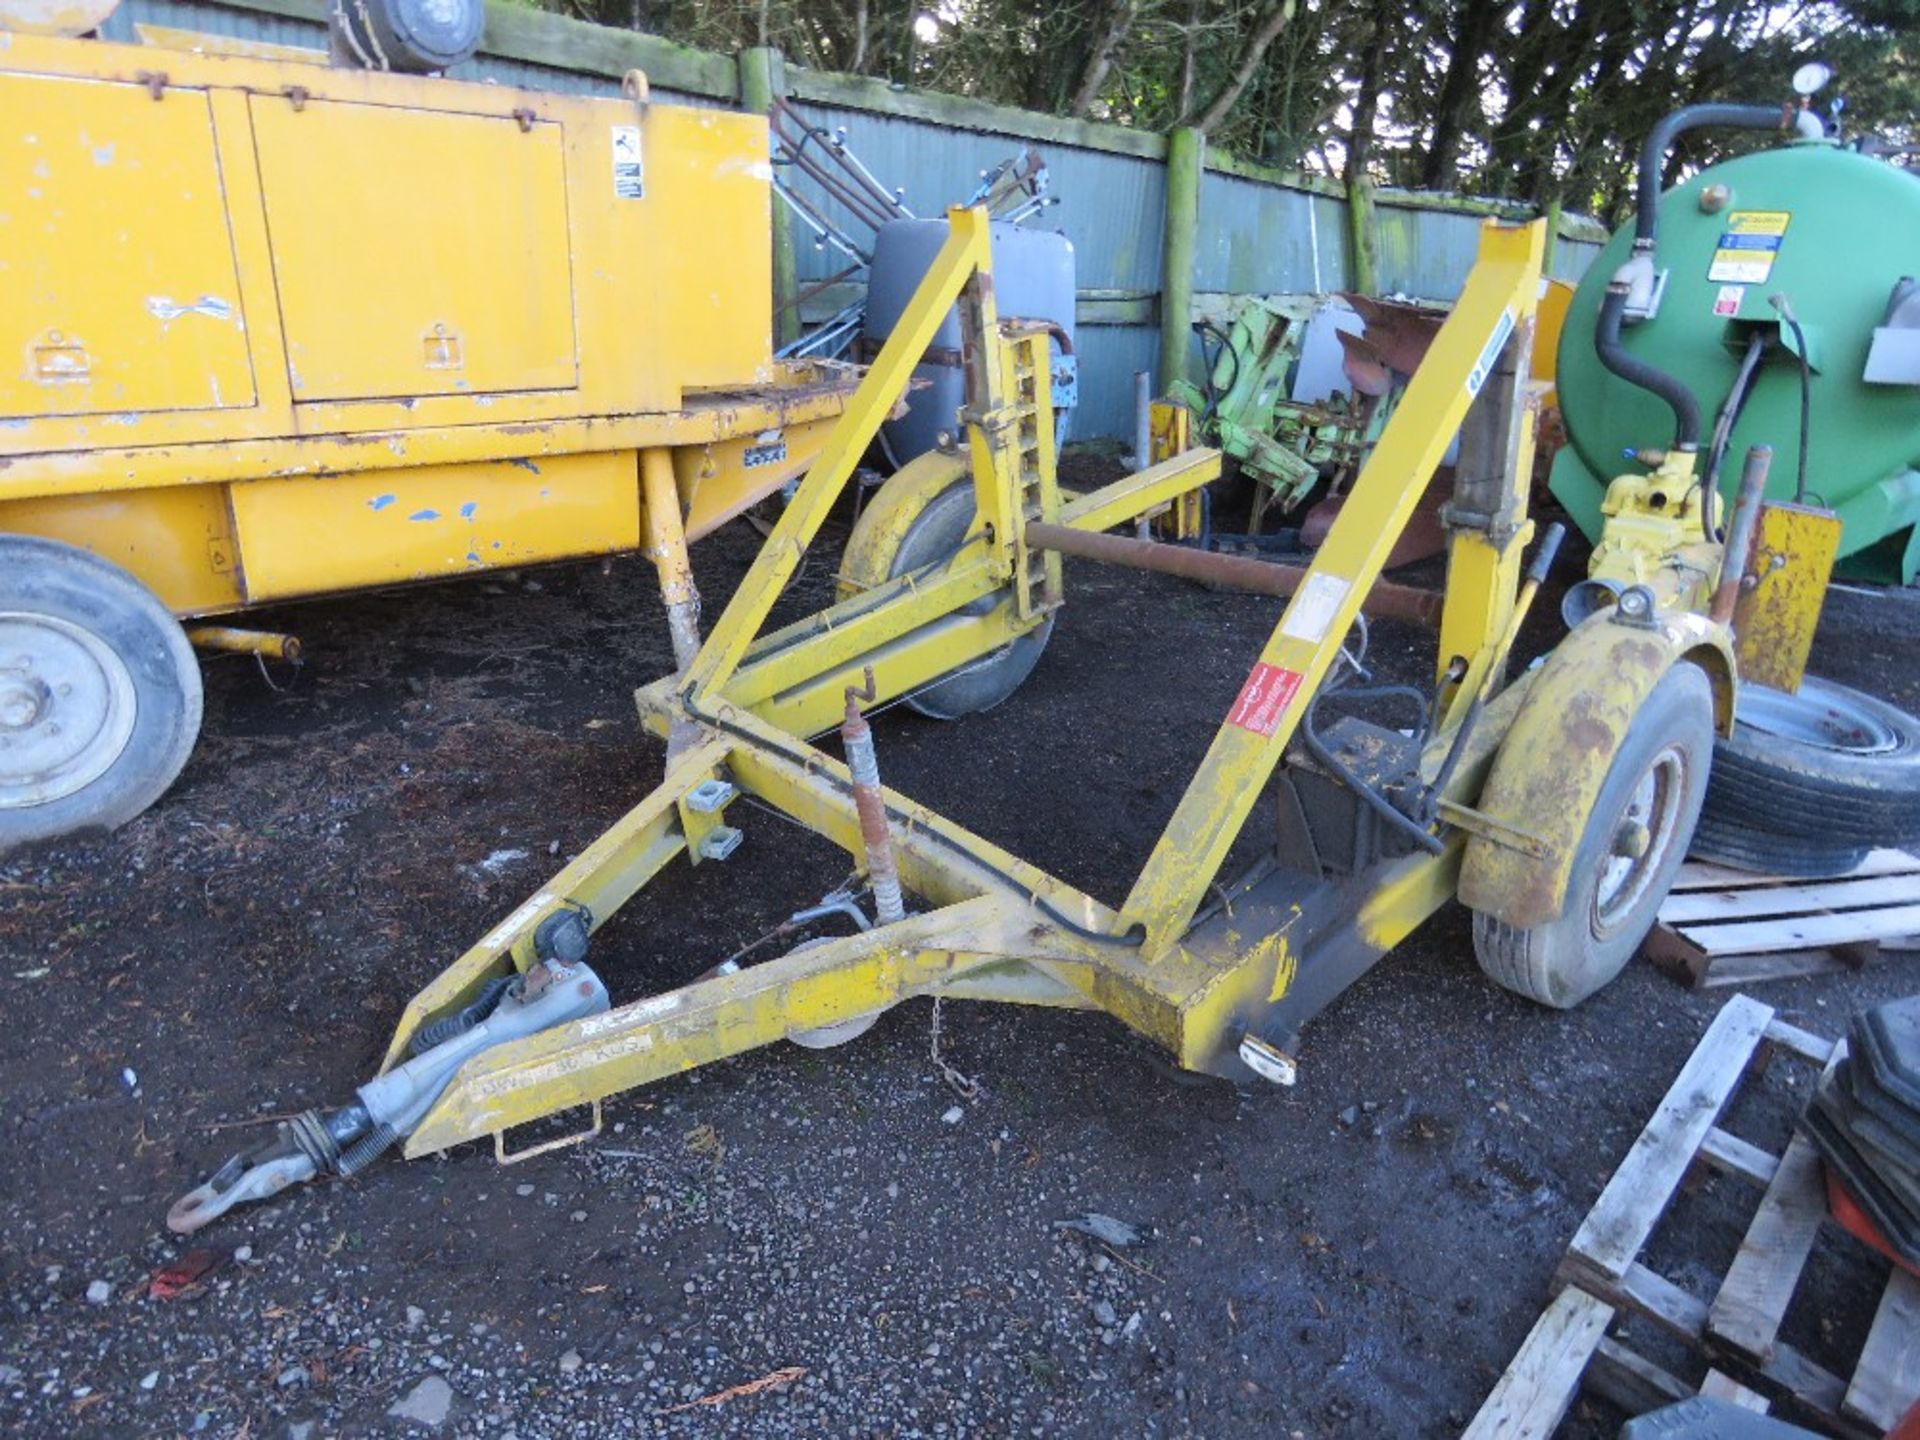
(1500, 293)
(965, 251)
(603, 877)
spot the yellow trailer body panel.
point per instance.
(115, 256)
(262, 294)
(431, 521)
(471, 293)
(178, 541)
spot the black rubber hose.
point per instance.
(1653, 152)
(1679, 398)
(451, 1027)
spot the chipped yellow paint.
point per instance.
(263, 279)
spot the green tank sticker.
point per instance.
(1745, 252)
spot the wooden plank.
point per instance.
(1703, 874)
(1611, 1236)
(1804, 1043)
(1804, 932)
(1733, 1156)
(1721, 1386)
(1856, 892)
(1725, 970)
(1631, 1381)
(1787, 1370)
(1532, 1395)
(1758, 1285)
(1886, 1382)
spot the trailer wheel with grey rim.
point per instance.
(99, 693)
(1829, 763)
(1635, 839)
(935, 534)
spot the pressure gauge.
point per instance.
(1811, 77)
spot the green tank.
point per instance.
(1836, 232)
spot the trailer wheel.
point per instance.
(1635, 840)
(99, 693)
(920, 517)
(1830, 763)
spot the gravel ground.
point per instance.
(793, 1243)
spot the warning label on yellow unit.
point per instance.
(1746, 249)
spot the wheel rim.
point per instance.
(67, 708)
(1642, 839)
(1823, 717)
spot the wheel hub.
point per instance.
(67, 708)
(1642, 836)
(22, 703)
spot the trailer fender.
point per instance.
(1555, 756)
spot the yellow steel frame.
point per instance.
(1000, 928)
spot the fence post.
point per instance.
(763, 79)
(1556, 207)
(1363, 271)
(1186, 153)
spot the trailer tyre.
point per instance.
(99, 693)
(1829, 763)
(1767, 852)
(1635, 840)
(929, 506)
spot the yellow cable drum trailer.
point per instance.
(275, 329)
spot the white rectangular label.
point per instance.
(1490, 355)
(1314, 607)
(629, 168)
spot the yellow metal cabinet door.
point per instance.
(116, 263)
(417, 252)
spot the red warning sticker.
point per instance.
(1264, 699)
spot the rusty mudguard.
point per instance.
(1555, 756)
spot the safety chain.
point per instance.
(965, 1086)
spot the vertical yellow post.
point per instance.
(666, 547)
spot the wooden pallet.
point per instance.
(1729, 927)
(1736, 1331)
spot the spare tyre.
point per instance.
(1767, 852)
(1829, 764)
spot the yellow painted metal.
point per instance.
(476, 198)
(1774, 620)
(999, 927)
(1170, 433)
(866, 563)
(178, 542)
(720, 479)
(602, 878)
(466, 296)
(1654, 533)
(1556, 754)
(1499, 294)
(306, 536)
(118, 264)
(1142, 491)
(231, 641)
(648, 1040)
(965, 251)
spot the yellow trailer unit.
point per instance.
(274, 329)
